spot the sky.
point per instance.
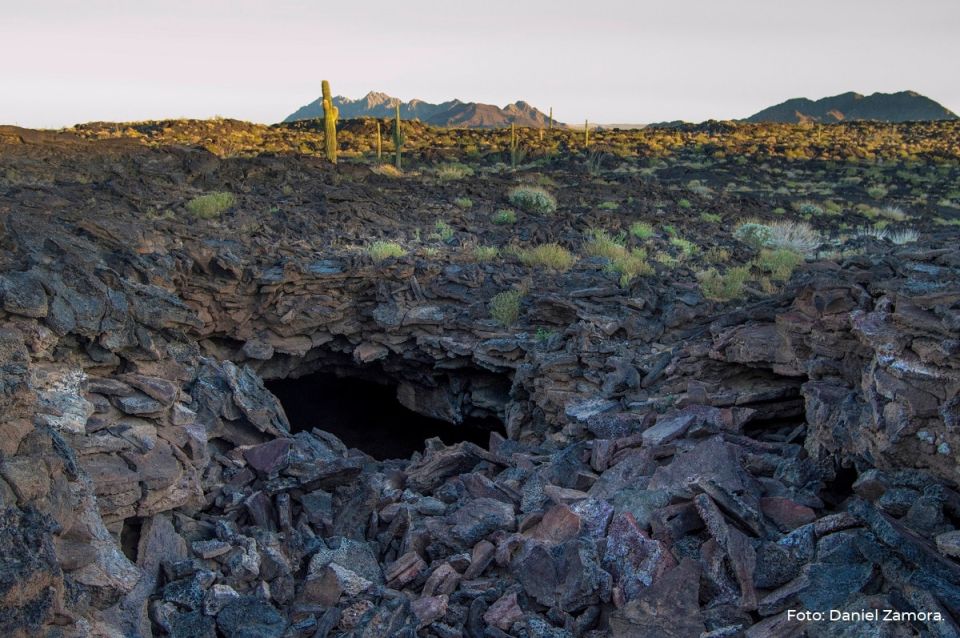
(609, 61)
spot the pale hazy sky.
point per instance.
(608, 60)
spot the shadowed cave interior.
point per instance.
(367, 415)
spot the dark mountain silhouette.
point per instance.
(905, 106)
(452, 113)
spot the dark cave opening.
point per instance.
(130, 537)
(367, 415)
(840, 488)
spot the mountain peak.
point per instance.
(903, 106)
(450, 113)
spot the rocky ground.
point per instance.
(677, 461)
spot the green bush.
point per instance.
(686, 247)
(723, 287)
(807, 207)
(453, 170)
(753, 234)
(210, 205)
(601, 244)
(630, 265)
(505, 307)
(380, 250)
(779, 263)
(463, 202)
(532, 199)
(550, 256)
(485, 253)
(711, 218)
(641, 230)
(504, 217)
(443, 231)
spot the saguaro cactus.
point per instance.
(379, 141)
(550, 125)
(398, 137)
(586, 133)
(330, 114)
(514, 146)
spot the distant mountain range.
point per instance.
(905, 106)
(452, 113)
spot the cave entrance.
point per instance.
(367, 415)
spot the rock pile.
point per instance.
(671, 468)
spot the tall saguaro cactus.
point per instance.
(514, 146)
(398, 137)
(379, 142)
(550, 125)
(586, 133)
(330, 114)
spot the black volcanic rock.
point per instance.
(905, 106)
(450, 113)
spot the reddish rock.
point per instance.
(268, 457)
(429, 609)
(633, 559)
(405, 570)
(443, 580)
(787, 514)
(559, 524)
(670, 608)
(480, 559)
(504, 612)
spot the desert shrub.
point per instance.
(898, 237)
(717, 255)
(808, 207)
(893, 213)
(684, 203)
(901, 237)
(550, 256)
(601, 244)
(505, 307)
(532, 199)
(686, 247)
(796, 236)
(608, 206)
(753, 234)
(380, 250)
(629, 265)
(544, 334)
(723, 287)
(711, 218)
(443, 231)
(485, 253)
(210, 205)
(695, 186)
(779, 263)
(877, 191)
(453, 170)
(641, 230)
(387, 170)
(463, 202)
(666, 259)
(504, 217)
